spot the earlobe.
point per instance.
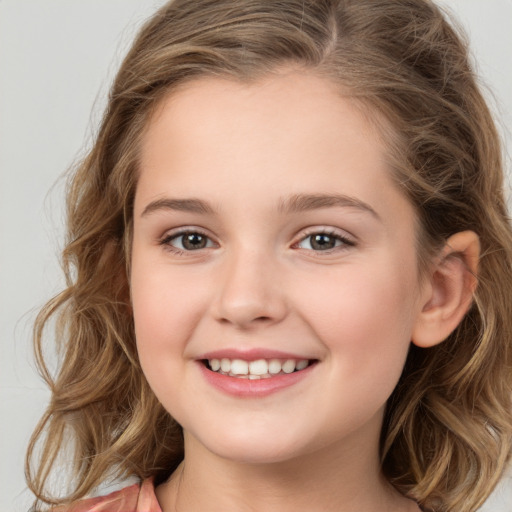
(453, 281)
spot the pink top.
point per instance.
(134, 498)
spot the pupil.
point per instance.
(322, 242)
(194, 241)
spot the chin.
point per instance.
(250, 447)
(256, 455)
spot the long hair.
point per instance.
(446, 436)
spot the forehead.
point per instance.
(285, 95)
(290, 132)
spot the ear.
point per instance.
(449, 290)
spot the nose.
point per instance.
(250, 291)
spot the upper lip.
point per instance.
(251, 354)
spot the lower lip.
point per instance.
(256, 388)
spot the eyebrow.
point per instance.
(294, 204)
(304, 202)
(183, 205)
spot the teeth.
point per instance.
(274, 366)
(289, 366)
(302, 364)
(260, 368)
(239, 367)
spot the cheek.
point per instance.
(164, 317)
(365, 318)
(166, 307)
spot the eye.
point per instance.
(323, 241)
(188, 241)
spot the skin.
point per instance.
(245, 150)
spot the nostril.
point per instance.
(247, 322)
(262, 319)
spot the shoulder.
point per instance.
(134, 498)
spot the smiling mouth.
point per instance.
(257, 369)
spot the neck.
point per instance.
(329, 479)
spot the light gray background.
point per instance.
(57, 58)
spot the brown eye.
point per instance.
(319, 242)
(322, 242)
(193, 241)
(188, 241)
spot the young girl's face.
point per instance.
(267, 230)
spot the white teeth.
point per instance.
(302, 364)
(289, 366)
(239, 367)
(274, 366)
(260, 368)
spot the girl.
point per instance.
(289, 265)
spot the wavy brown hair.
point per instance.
(446, 437)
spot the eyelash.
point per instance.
(345, 241)
(344, 245)
(166, 241)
